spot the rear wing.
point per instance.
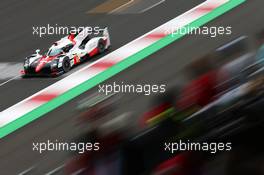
(86, 33)
(106, 34)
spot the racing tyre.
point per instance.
(24, 76)
(66, 64)
(101, 46)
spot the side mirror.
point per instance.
(37, 51)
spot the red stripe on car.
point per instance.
(94, 52)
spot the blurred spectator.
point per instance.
(199, 92)
(260, 52)
(162, 108)
(186, 163)
(230, 75)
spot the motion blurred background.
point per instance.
(214, 94)
(221, 100)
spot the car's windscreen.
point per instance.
(54, 51)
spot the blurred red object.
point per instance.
(182, 164)
(199, 92)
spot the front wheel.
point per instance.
(66, 65)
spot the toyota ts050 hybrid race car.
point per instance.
(67, 52)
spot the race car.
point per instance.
(64, 54)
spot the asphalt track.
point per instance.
(163, 67)
(123, 28)
(16, 34)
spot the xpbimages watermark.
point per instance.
(56, 29)
(212, 147)
(80, 147)
(146, 89)
(213, 31)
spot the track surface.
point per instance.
(17, 41)
(123, 28)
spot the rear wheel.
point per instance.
(66, 64)
(24, 76)
(101, 46)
